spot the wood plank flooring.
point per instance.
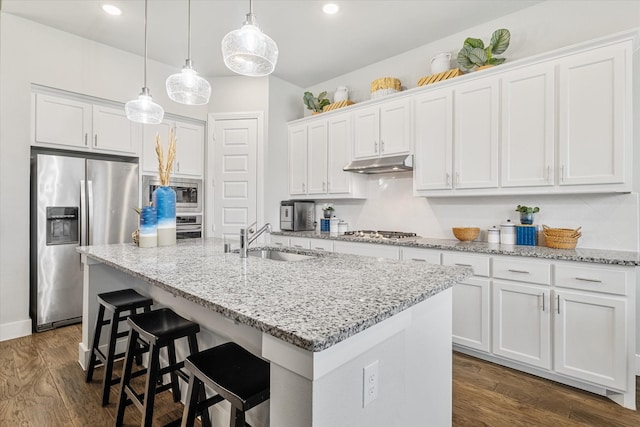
(42, 385)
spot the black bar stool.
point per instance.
(122, 304)
(157, 329)
(231, 371)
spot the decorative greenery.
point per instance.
(527, 209)
(316, 104)
(328, 207)
(474, 54)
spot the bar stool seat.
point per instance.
(231, 371)
(159, 328)
(122, 303)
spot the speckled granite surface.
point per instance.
(583, 255)
(312, 304)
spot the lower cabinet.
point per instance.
(367, 249)
(471, 313)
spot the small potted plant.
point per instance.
(475, 54)
(526, 213)
(315, 104)
(328, 210)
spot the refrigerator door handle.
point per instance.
(83, 217)
(89, 213)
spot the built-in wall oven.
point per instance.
(188, 226)
(189, 193)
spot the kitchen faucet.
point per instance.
(245, 240)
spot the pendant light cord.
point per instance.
(145, 43)
(251, 7)
(189, 31)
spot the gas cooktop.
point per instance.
(379, 234)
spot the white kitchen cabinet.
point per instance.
(367, 249)
(475, 147)
(417, 254)
(522, 322)
(594, 121)
(528, 126)
(383, 129)
(189, 161)
(318, 151)
(321, 245)
(471, 308)
(299, 242)
(278, 240)
(433, 168)
(77, 125)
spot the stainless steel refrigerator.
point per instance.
(76, 200)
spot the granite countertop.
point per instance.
(597, 256)
(312, 304)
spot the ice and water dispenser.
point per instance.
(62, 225)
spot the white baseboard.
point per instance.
(9, 331)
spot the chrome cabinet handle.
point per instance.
(318, 248)
(584, 279)
(86, 139)
(304, 190)
(381, 146)
(558, 305)
(543, 308)
(328, 186)
(463, 265)
(298, 246)
(375, 146)
(548, 173)
(562, 173)
(457, 178)
(518, 271)
(418, 259)
(95, 140)
(448, 178)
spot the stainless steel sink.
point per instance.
(279, 255)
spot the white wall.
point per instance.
(33, 53)
(608, 222)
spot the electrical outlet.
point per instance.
(369, 383)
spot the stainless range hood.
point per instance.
(381, 165)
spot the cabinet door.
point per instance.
(299, 242)
(594, 121)
(528, 100)
(476, 134)
(434, 140)
(591, 338)
(317, 157)
(416, 254)
(395, 127)
(113, 131)
(298, 159)
(149, 156)
(321, 245)
(340, 142)
(278, 240)
(367, 249)
(522, 323)
(471, 313)
(366, 132)
(189, 150)
(62, 121)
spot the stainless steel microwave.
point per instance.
(189, 193)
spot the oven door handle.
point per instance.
(188, 228)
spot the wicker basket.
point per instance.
(561, 232)
(385, 86)
(561, 242)
(135, 236)
(466, 234)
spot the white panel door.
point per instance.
(522, 323)
(366, 132)
(395, 127)
(298, 159)
(113, 131)
(591, 338)
(471, 313)
(434, 140)
(593, 126)
(189, 150)
(62, 121)
(235, 176)
(317, 157)
(340, 141)
(528, 126)
(476, 106)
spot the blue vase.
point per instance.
(148, 237)
(526, 218)
(164, 200)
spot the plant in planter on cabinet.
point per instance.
(475, 54)
(328, 210)
(315, 104)
(526, 213)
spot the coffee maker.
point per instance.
(297, 215)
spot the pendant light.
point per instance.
(143, 109)
(249, 51)
(187, 87)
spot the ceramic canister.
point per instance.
(493, 235)
(508, 233)
(441, 62)
(341, 94)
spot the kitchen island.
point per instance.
(319, 322)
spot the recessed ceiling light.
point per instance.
(111, 9)
(330, 8)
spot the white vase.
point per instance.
(441, 62)
(341, 94)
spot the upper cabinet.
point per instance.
(78, 125)
(189, 161)
(383, 129)
(318, 150)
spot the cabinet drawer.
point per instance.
(279, 240)
(479, 263)
(299, 242)
(607, 280)
(415, 254)
(321, 245)
(522, 271)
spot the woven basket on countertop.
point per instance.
(561, 232)
(561, 238)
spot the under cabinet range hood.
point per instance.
(381, 165)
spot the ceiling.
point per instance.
(313, 47)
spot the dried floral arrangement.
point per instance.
(164, 170)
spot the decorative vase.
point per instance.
(327, 213)
(341, 94)
(441, 62)
(164, 201)
(526, 218)
(148, 236)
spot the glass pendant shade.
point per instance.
(248, 51)
(143, 109)
(187, 87)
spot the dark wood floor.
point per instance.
(41, 384)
